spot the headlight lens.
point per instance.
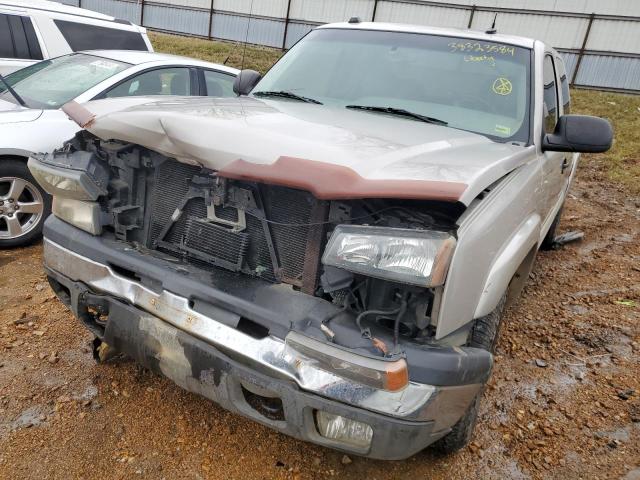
(418, 257)
(84, 215)
(82, 178)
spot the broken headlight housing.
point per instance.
(78, 176)
(75, 180)
(417, 257)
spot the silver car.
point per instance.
(330, 253)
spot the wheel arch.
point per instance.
(14, 154)
(511, 267)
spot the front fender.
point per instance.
(507, 263)
(495, 234)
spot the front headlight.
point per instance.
(81, 214)
(78, 176)
(418, 257)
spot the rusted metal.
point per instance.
(142, 13)
(266, 228)
(471, 14)
(210, 19)
(319, 214)
(582, 49)
(286, 26)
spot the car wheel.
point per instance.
(484, 334)
(23, 205)
(549, 240)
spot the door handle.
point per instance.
(565, 165)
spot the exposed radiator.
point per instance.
(280, 247)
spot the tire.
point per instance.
(548, 242)
(484, 334)
(24, 205)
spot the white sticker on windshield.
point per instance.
(104, 64)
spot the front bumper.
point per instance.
(201, 354)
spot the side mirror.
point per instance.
(245, 81)
(579, 133)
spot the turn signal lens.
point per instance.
(391, 375)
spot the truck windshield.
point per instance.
(477, 86)
(52, 83)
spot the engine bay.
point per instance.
(274, 233)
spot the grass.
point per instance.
(229, 53)
(622, 162)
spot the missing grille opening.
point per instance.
(268, 407)
(125, 272)
(252, 328)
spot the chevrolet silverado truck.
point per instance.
(329, 253)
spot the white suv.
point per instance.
(33, 30)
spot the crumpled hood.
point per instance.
(377, 149)
(13, 113)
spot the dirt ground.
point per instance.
(563, 402)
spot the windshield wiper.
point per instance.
(399, 112)
(13, 92)
(285, 94)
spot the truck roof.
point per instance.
(448, 32)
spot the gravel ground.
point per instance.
(563, 402)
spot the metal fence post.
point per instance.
(210, 19)
(584, 46)
(471, 14)
(142, 13)
(286, 26)
(375, 10)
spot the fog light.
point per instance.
(344, 430)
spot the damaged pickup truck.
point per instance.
(331, 252)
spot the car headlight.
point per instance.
(78, 176)
(418, 257)
(84, 215)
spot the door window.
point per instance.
(550, 95)
(52, 83)
(81, 36)
(161, 81)
(219, 84)
(18, 38)
(564, 87)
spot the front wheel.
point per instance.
(23, 205)
(484, 334)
